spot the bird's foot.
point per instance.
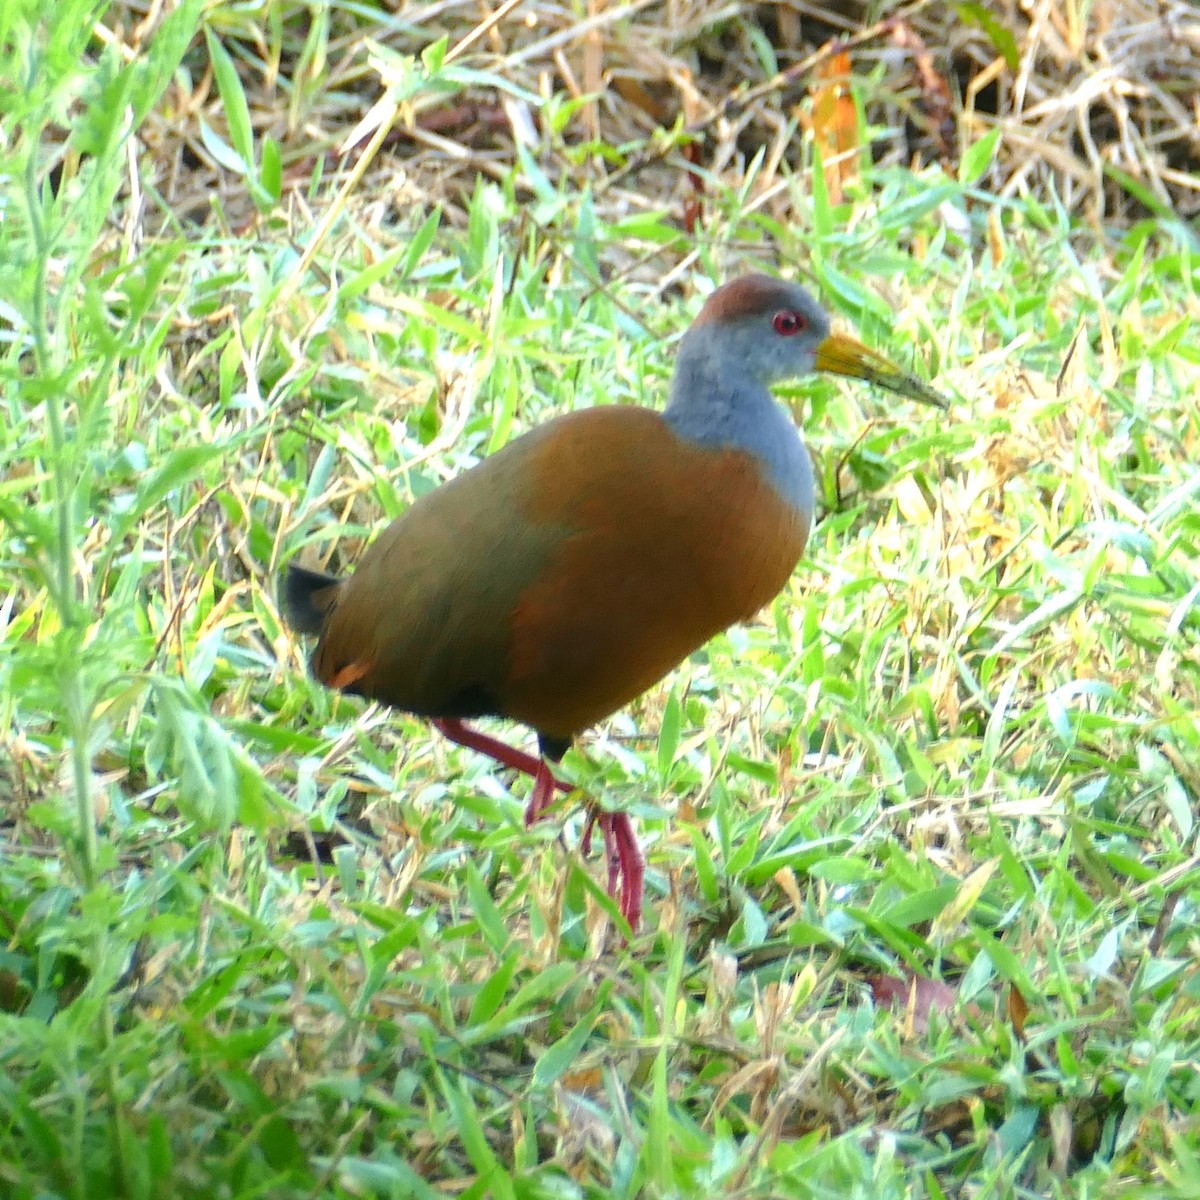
(544, 782)
(626, 866)
(623, 855)
(542, 795)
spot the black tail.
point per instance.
(307, 598)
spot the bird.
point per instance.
(559, 578)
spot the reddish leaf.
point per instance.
(919, 996)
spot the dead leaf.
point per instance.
(917, 995)
(1018, 1010)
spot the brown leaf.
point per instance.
(1018, 1010)
(918, 995)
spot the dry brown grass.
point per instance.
(1081, 91)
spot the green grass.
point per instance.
(962, 745)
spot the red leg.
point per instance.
(611, 857)
(623, 856)
(544, 782)
(624, 859)
(502, 752)
(631, 866)
(542, 796)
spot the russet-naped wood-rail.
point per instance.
(561, 577)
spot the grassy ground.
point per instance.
(923, 871)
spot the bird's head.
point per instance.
(771, 330)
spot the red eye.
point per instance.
(789, 322)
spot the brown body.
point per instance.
(540, 586)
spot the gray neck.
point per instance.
(724, 407)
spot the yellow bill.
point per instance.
(841, 355)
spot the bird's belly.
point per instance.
(618, 609)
